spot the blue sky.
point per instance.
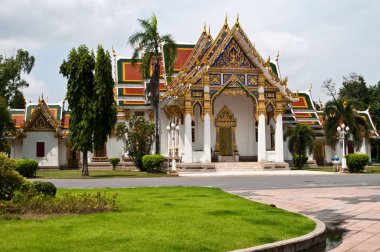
(316, 39)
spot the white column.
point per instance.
(188, 143)
(261, 141)
(363, 148)
(207, 138)
(279, 139)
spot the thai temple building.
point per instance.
(225, 104)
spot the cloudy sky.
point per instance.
(316, 39)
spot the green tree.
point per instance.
(354, 89)
(138, 137)
(78, 69)
(300, 140)
(337, 112)
(6, 125)
(17, 101)
(11, 69)
(149, 45)
(104, 102)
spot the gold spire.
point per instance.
(225, 23)
(204, 28)
(237, 20)
(209, 30)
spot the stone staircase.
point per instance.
(238, 166)
(232, 166)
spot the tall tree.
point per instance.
(6, 125)
(104, 101)
(78, 69)
(150, 46)
(301, 140)
(355, 89)
(17, 101)
(11, 69)
(337, 112)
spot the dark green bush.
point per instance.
(27, 167)
(44, 188)
(114, 162)
(299, 161)
(10, 179)
(356, 162)
(153, 163)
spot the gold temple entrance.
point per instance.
(225, 145)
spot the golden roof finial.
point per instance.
(225, 21)
(113, 52)
(278, 55)
(237, 20)
(209, 30)
(204, 28)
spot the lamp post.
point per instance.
(343, 131)
(172, 129)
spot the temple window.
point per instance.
(40, 147)
(193, 131)
(257, 131)
(140, 113)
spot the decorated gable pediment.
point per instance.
(233, 56)
(41, 124)
(41, 119)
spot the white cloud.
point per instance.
(36, 89)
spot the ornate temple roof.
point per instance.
(50, 116)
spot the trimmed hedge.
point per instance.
(114, 162)
(27, 167)
(44, 188)
(356, 162)
(153, 163)
(10, 179)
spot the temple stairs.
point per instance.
(232, 166)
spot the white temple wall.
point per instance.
(164, 134)
(329, 153)
(62, 152)
(198, 144)
(115, 148)
(243, 109)
(16, 150)
(51, 157)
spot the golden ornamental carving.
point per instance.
(233, 56)
(225, 118)
(173, 111)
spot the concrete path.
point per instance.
(355, 210)
(255, 173)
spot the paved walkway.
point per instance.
(356, 210)
(254, 173)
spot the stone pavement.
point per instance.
(355, 211)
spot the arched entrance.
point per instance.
(225, 146)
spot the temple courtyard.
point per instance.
(348, 203)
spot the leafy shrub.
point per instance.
(114, 162)
(356, 162)
(67, 203)
(10, 179)
(299, 160)
(44, 188)
(27, 167)
(153, 163)
(139, 140)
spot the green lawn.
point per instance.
(77, 174)
(368, 169)
(159, 219)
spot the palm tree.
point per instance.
(149, 48)
(301, 139)
(337, 112)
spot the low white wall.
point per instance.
(16, 150)
(62, 152)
